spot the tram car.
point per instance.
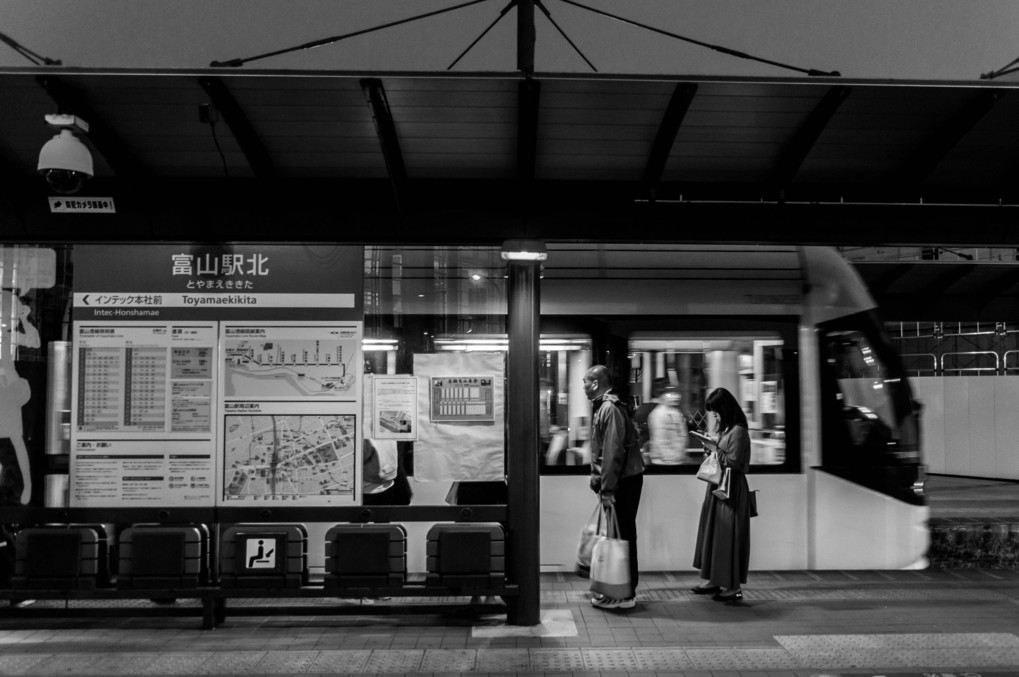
(795, 335)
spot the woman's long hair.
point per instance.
(725, 405)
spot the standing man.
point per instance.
(617, 469)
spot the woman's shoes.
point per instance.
(708, 590)
(733, 596)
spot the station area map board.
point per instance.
(189, 392)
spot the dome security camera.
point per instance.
(64, 161)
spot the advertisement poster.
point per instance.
(142, 401)
(291, 408)
(215, 373)
(394, 400)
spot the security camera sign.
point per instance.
(82, 205)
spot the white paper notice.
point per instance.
(395, 407)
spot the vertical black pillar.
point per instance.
(523, 558)
(526, 37)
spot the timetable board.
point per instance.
(462, 398)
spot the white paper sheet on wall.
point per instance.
(466, 449)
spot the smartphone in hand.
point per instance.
(705, 439)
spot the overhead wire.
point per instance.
(717, 48)
(36, 59)
(233, 63)
(548, 15)
(1010, 67)
(330, 40)
(503, 13)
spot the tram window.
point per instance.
(750, 367)
(860, 375)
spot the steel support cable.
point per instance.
(505, 9)
(548, 14)
(234, 63)
(36, 59)
(717, 48)
(1010, 67)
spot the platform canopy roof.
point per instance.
(228, 154)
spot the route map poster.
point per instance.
(213, 374)
(291, 410)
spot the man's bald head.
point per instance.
(597, 381)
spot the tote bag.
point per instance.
(610, 562)
(711, 469)
(590, 534)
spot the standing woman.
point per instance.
(723, 536)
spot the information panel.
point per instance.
(143, 402)
(216, 373)
(291, 409)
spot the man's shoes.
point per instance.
(611, 603)
(707, 590)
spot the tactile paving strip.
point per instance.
(235, 662)
(128, 663)
(717, 659)
(662, 660)
(503, 660)
(66, 664)
(286, 662)
(449, 660)
(768, 659)
(610, 659)
(173, 663)
(20, 664)
(337, 662)
(906, 650)
(550, 660)
(395, 661)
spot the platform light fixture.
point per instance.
(524, 250)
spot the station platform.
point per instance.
(944, 620)
(789, 623)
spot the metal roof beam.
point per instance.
(796, 150)
(118, 156)
(385, 128)
(925, 159)
(240, 126)
(669, 127)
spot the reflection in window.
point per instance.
(863, 388)
(680, 373)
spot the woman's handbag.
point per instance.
(610, 562)
(711, 469)
(590, 534)
(753, 503)
(724, 486)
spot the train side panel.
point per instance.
(667, 521)
(859, 528)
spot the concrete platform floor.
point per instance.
(789, 623)
(939, 621)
